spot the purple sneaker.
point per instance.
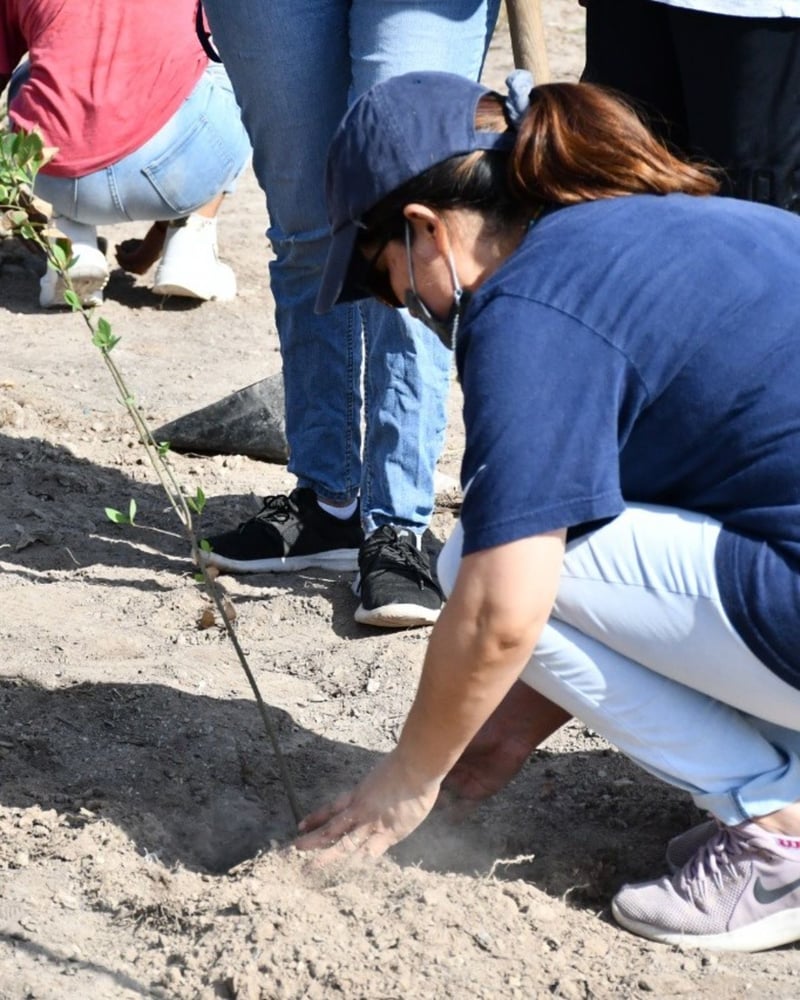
(685, 845)
(739, 892)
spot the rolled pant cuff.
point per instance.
(758, 797)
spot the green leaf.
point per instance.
(60, 256)
(197, 502)
(162, 447)
(199, 578)
(116, 516)
(72, 300)
(102, 336)
(132, 510)
(205, 545)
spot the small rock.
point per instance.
(482, 940)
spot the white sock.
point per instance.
(340, 513)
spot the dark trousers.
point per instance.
(725, 89)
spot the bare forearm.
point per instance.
(478, 649)
(464, 678)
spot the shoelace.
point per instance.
(278, 508)
(713, 860)
(390, 547)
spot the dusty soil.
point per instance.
(140, 805)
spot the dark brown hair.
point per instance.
(577, 142)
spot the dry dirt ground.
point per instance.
(139, 800)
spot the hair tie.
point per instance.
(520, 84)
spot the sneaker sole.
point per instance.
(344, 560)
(166, 284)
(181, 291)
(397, 616)
(770, 932)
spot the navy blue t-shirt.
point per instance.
(646, 349)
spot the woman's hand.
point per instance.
(378, 813)
(477, 649)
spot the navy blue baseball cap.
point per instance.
(393, 132)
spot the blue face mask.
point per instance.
(445, 329)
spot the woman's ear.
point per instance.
(429, 233)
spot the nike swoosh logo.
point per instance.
(766, 896)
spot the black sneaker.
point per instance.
(395, 581)
(289, 533)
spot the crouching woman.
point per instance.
(629, 547)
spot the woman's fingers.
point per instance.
(321, 816)
(324, 836)
(357, 845)
(383, 809)
(339, 837)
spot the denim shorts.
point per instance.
(195, 156)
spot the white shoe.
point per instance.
(88, 275)
(190, 267)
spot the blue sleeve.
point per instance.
(547, 403)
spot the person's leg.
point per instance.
(639, 599)
(650, 659)
(629, 47)
(178, 174)
(639, 648)
(289, 64)
(407, 370)
(89, 272)
(291, 115)
(742, 105)
(290, 67)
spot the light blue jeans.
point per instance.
(295, 65)
(639, 647)
(196, 155)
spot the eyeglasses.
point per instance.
(375, 281)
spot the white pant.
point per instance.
(639, 647)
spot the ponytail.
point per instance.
(579, 142)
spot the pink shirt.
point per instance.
(105, 74)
